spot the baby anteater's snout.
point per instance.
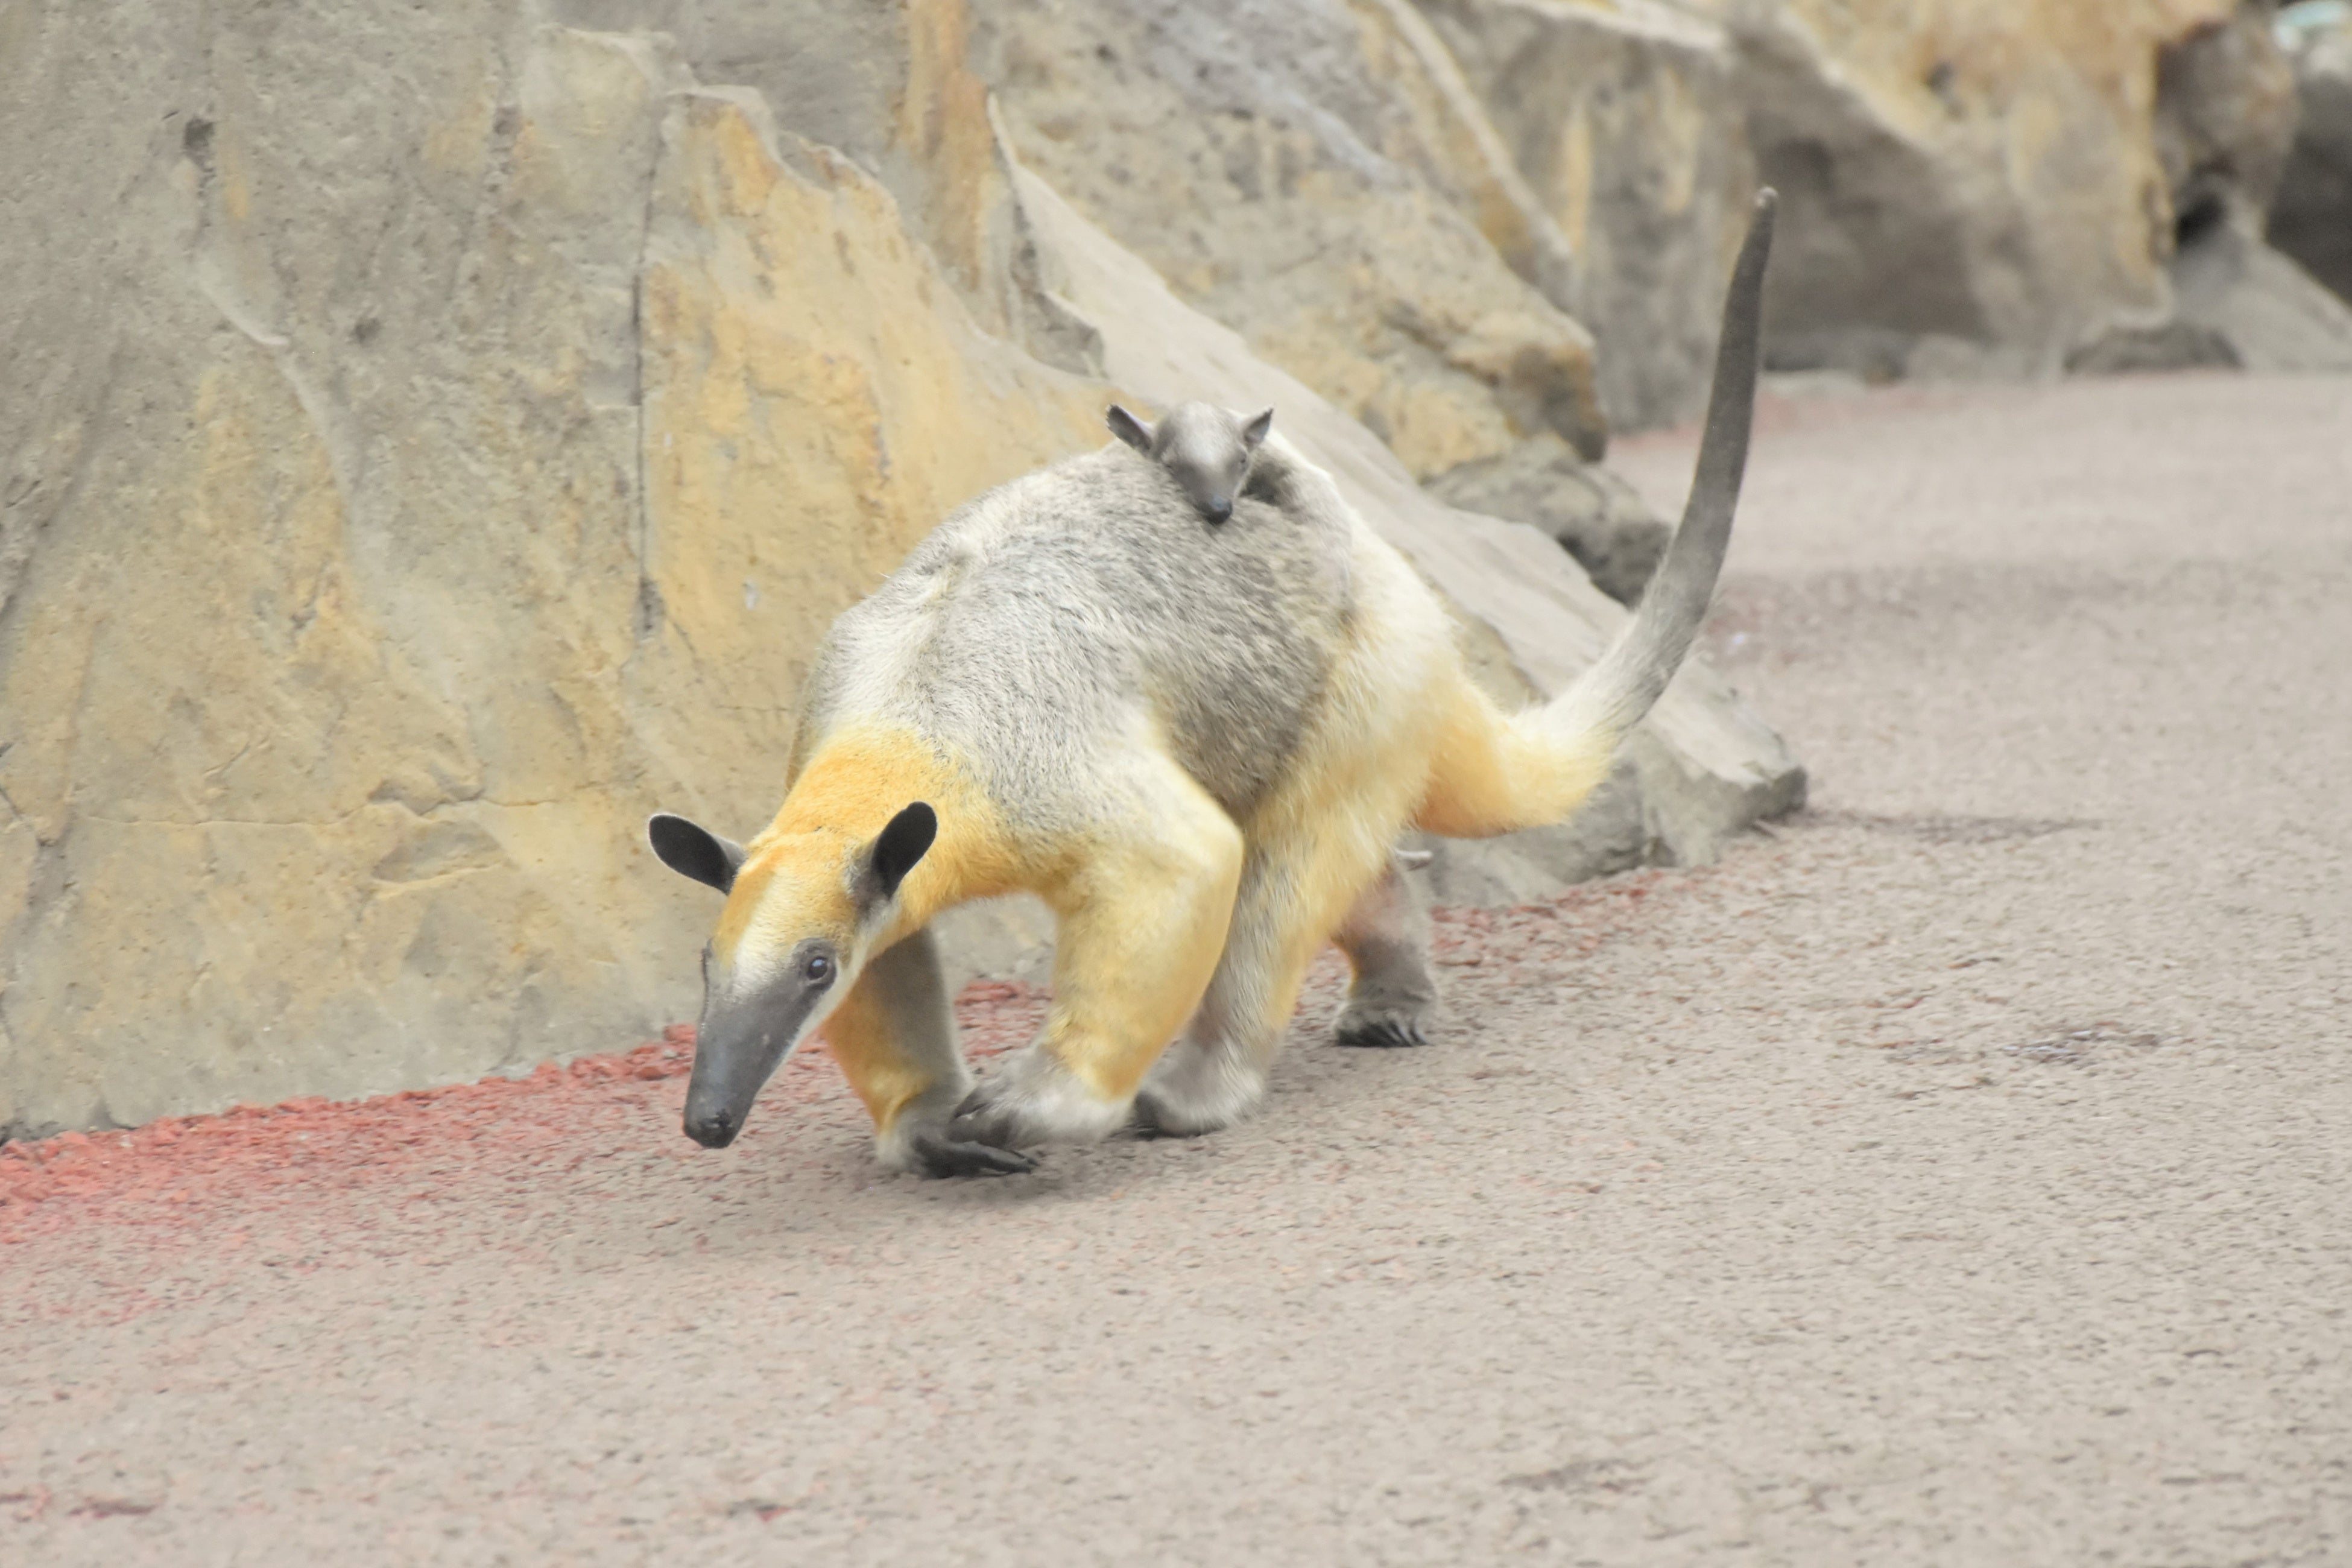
(1206, 448)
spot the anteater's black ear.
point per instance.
(897, 849)
(1256, 430)
(1129, 429)
(693, 851)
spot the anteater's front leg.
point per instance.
(895, 1037)
(1142, 921)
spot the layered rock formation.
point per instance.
(1299, 169)
(2226, 120)
(1356, 193)
(1992, 189)
(420, 468)
(1972, 190)
(1593, 515)
(438, 436)
(1628, 122)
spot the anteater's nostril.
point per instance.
(715, 1130)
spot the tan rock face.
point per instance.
(436, 436)
(1301, 171)
(1986, 172)
(1991, 188)
(888, 84)
(1598, 518)
(400, 567)
(1967, 187)
(435, 440)
(1626, 121)
(813, 404)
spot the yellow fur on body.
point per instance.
(791, 880)
(1402, 738)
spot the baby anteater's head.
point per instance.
(1207, 449)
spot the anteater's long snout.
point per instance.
(712, 1128)
(736, 1051)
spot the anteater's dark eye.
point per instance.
(819, 969)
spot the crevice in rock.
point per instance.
(2200, 217)
(214, 272)
(25, 516)
(649, 606)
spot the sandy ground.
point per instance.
(1957, 1175)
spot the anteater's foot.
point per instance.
(1198, 1088)
(1386, 1022)
(1032, 1099)
(936, 1153)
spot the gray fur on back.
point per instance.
(1036, 627)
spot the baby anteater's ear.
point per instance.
(1256, 430)
(1129, 429)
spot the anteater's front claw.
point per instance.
(942, 1153)
(1381, 1031)
(983, 1118)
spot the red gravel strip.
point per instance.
(252, 1156)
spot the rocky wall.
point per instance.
(439, 435)
(439, 438)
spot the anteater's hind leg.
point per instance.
(895, 1037)
(1386, 939)
(1295, 890)
(1142, 920)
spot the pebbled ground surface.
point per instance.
(1960, 1175)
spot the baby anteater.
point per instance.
(1208, 449)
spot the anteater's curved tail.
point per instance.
(1494, 773)
(1614, 693)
